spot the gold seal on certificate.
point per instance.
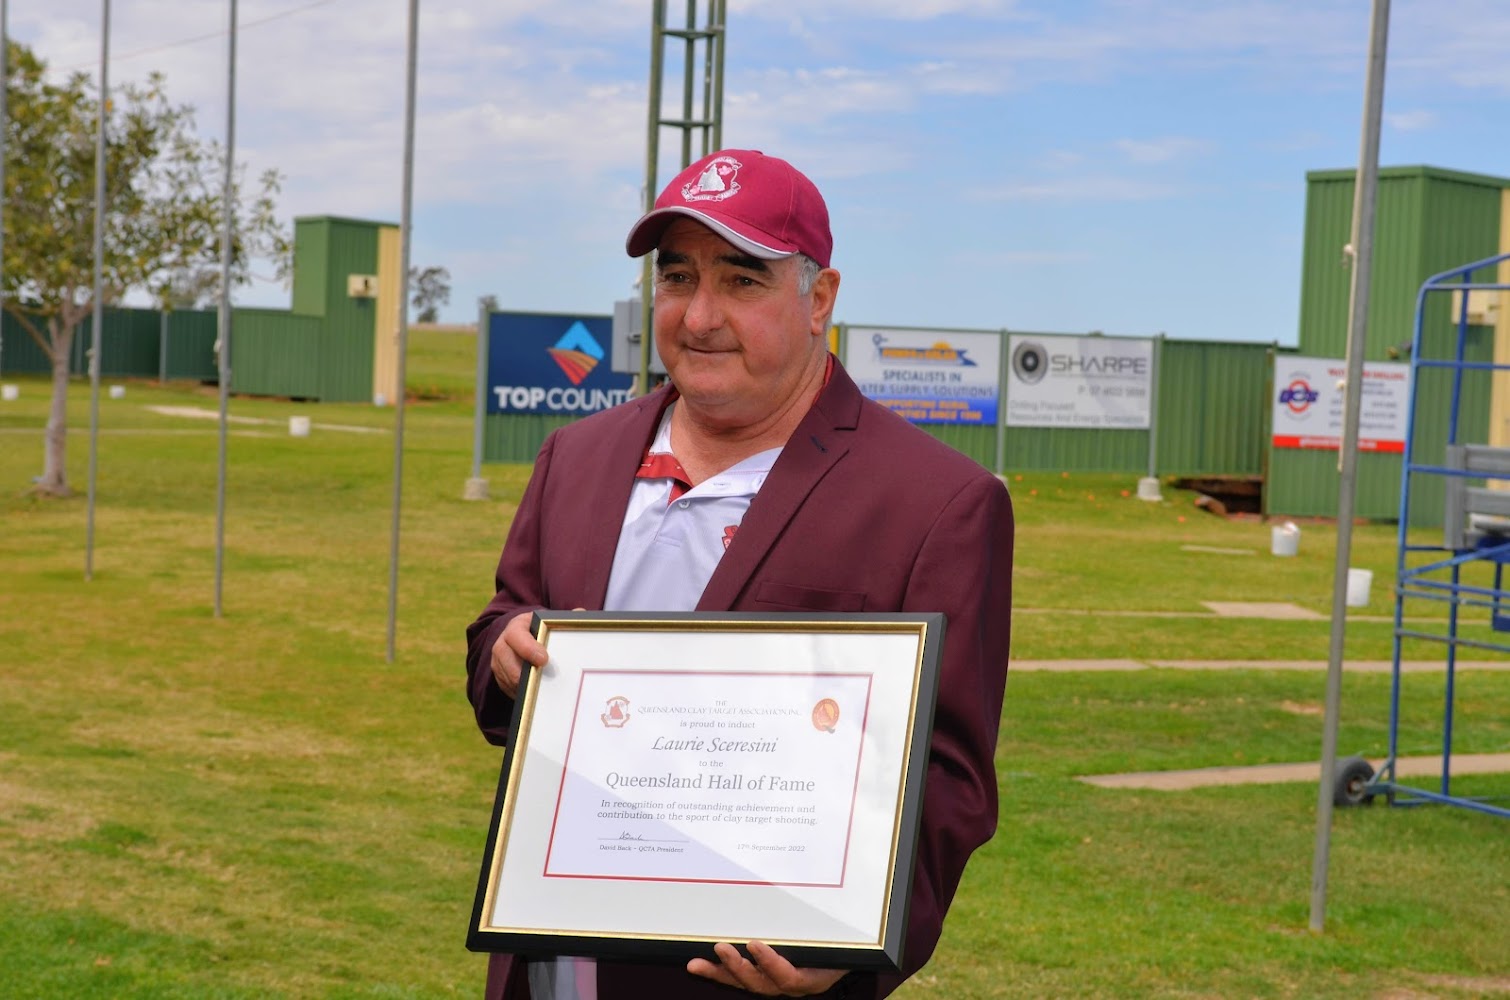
(678, 780)
(826, 715)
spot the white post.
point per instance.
(477, 486)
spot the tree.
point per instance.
(190, 288)
(432, 289)
(163, 213)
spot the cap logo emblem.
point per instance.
(719, 180)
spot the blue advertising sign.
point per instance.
(551, 363)
(928, 376)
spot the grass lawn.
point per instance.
(261, 806)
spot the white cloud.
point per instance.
(1107, 40)
(1411, 121)
(959, 80)
(1105, 187)
(1060, 159)
(1162, 150)
(900, 10)
(531, 115)
(1042, 257)
(1466, 49)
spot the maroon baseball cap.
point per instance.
(762, 205)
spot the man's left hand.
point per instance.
(769, 974)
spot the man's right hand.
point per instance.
(515, 647)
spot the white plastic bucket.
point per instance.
(1359, 583)
(117, 392)
(298, 427)
(1284, 539)
(10, 393)
(1148, 489)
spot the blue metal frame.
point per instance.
(1411, 581)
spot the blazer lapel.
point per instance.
(620, 457)
(813, 449)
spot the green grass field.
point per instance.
(261, 806)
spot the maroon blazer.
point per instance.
(862, 512)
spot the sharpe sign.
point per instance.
(1085, 382)
(548, 363)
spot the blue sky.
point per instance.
(1129, 166)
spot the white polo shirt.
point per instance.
(669, 547)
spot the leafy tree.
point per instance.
(163, 212)
(432, 289)
(489, 302)
(191, 288)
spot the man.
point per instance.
(760, 479)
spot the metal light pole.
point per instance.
(4, 99)
(227, 224)
(710, 123)
(405, 228)
(96, 327)
(1363, 261)
(652, 159)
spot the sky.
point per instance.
(1126, 166)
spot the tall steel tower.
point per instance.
(699, 116)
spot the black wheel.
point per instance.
(1353, 776)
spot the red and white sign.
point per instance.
(1309, 398)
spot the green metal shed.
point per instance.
(333, 344)
(1427, 221)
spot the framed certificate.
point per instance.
(676, 780)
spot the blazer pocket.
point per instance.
(794, 598)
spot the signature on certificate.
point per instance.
(640, 838)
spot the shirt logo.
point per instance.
(719, 180)
(729, 534)
(576, 352)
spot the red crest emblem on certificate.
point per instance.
(826, 715)
(616, 713)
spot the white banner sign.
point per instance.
(1083, 382)
(928, 376)
(1308, 404)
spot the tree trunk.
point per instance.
(54, 481)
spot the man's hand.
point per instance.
(769, 974)
(515, 647)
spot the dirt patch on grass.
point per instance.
(33, 814)
(1449, 988)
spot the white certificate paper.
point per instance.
(711, 777)
(678, 780)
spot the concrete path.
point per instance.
(1268, 774)
(201, 413)
(1272, 610)
(1273, 774)
(1352, 667)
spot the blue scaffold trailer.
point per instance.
(1466, 570)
